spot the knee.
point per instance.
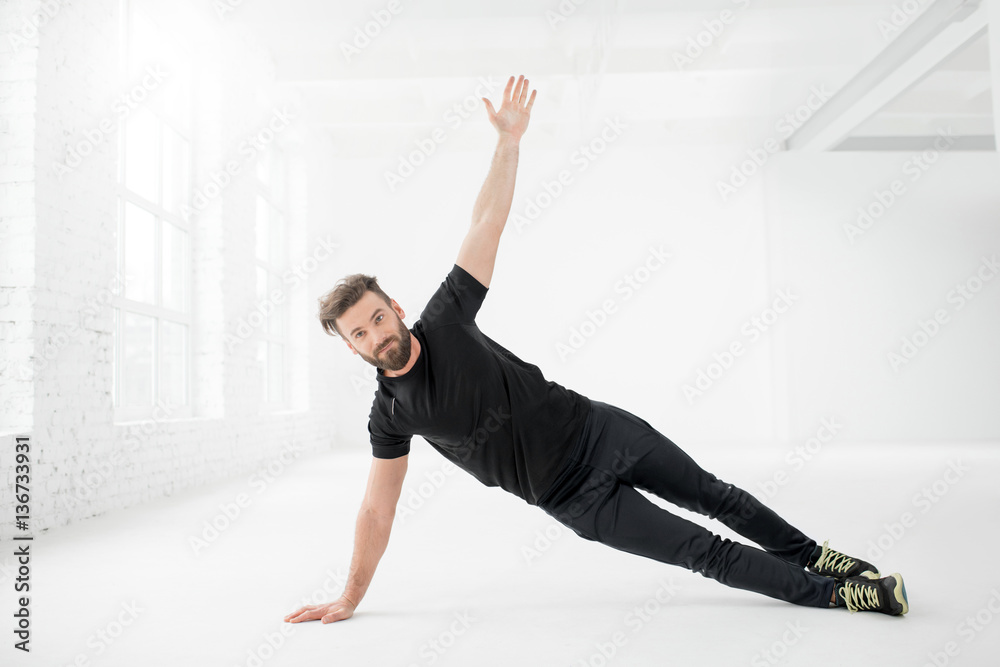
(733, 505)
(711, 560)
(704, 555)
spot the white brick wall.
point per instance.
(17, 213)
(58, 254)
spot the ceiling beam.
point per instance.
(941, 30)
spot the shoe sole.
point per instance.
(899, 592)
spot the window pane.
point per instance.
(177, 89)
(277, 240)
(262, 364)
(137, 361)
(175, 267)
(261, 286)
(274, 374)
(263, 166)
(145, 44)
(262, 229)
(141, 138)
(176, 174)
(276, 320)
(140, 253)
(173, 376)
(278, 178)
(119, 237)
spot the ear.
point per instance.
(399, 309)
(350, 347)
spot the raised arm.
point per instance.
(489, 215)
(371, 536)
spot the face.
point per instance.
(369, 326)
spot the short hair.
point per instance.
(348, 291)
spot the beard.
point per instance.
(397, 356)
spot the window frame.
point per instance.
(161, 216)
(276, 161)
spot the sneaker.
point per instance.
(886, 595)
(832, 563)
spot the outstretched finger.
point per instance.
(531, 101)
(517, 89)
(524, 93)
(298, 611)
(490, 111)
(506, 91)
(304, 615)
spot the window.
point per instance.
(271, 263)
(153, 313)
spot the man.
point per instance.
(580, 460)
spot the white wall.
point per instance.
(825, 357)
(864, 290)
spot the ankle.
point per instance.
(817, 552)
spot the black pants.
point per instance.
(595, 495)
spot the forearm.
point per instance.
(493, 203)
(371, 536)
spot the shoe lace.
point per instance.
(833, 560)
(860, 596)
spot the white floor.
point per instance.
(474, 576)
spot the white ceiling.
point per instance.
(610, 57)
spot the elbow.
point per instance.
(379, 513)
(490, 227)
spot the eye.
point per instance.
(377, 319)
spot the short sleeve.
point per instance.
(457, 300)
(385, 444)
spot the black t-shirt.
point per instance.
(476, 403)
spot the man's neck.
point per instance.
(414, 353)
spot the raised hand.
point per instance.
(515, 109)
